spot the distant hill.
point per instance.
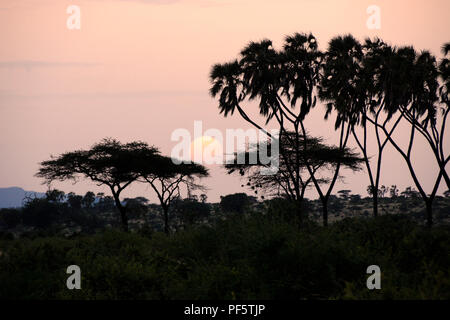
(13, 197)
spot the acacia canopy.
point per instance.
(109, 163)
(292, 167)
(167, 177)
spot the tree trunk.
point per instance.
(124, 218)
(429, 207)
(375, 203)
(446, 177)
(166, 219)
(325, 212)
(299, 210)
(123, 213)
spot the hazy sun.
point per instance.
(205, 149)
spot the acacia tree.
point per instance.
(284, 83)
(273, 184)
(109, 163)
(166, 177)
(320, 157)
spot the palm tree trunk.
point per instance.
(325, 212)
(166, 219)
(299, 211)
(375, 203)
(446, 177)
(429, 208)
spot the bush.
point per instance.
(10, 218)
(256, 257)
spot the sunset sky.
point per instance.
(138, 70)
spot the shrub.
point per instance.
(257, 257)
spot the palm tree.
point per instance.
(353, 83)
(444, 73)
(346, 87)
(284, 83)
(228, 84)
(408, 86)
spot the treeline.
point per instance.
(117, 165)
(70, 214)
(371, 88)
(58, 210)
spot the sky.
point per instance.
(138, 70)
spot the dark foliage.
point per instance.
(252, 258)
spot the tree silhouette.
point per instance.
(136, 207)
(109, 163)
(444, 89)
(320, 157)
(409, 192)
(347, 86)
(74, 200)
(284, 84)
(190, 211)
(410, 90)
(88, 200)
(203, 198)
(344, 194)
(166, 178)
(393, 191)
(43, 212)
(55, 195)
(237, 202)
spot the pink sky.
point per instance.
(137, 70)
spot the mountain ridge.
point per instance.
(13, 197)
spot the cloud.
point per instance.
(30, 64)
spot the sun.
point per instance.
(205, 149)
